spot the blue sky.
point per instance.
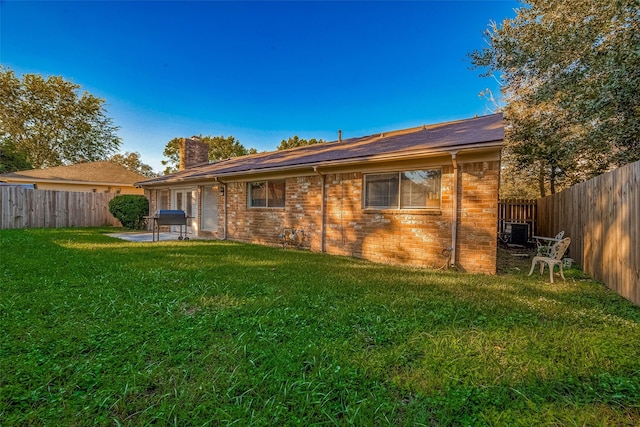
(260, 71)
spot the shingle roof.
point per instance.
(94, 172)
(437, 138)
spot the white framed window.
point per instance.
(266, 194)
(164, 199)
(416, 189)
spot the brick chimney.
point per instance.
(193, 152)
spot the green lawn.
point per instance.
(98, 331)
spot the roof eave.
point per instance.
(66, 181)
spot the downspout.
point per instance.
(224, 215)
(322, 209)
(454, 219)
(226, 219)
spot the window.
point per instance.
(419, 189)
(266, 194)
(163, 199)
(191, 199)
(382, 190)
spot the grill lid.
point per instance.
(165, 212)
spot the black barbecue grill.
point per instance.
(169, 217)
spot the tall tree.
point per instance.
(571, 84)
(296, 141)
(172, 153)
(132, 162)
(220, 148)
(12, 160)
(48, 121)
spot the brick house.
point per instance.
(416, 196)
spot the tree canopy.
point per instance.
(296, 141)
(220, 148)
(570, 74)
(12, 160)
(50, 123)
(132, 162)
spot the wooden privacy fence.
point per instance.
(517, 211)
(28, 208)
(602, 217)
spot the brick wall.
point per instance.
(478, 217)
(404, 237)
(303, 211)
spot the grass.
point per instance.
(98, 331)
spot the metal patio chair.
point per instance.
(544, 248)
(553, 258)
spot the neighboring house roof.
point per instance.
(104, 173)
(485, 131)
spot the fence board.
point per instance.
(22, 207)
(517, 211)
(602, 217)
(632, 232)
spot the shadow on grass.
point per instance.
(282, 334)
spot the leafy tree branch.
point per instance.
(49, 122)
(570, 75)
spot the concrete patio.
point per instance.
(147, 236)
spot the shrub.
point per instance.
(130, 210)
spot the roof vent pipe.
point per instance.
(339, 135)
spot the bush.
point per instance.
(130, 210)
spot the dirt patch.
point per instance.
(514, 260)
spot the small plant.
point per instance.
(130, 210)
